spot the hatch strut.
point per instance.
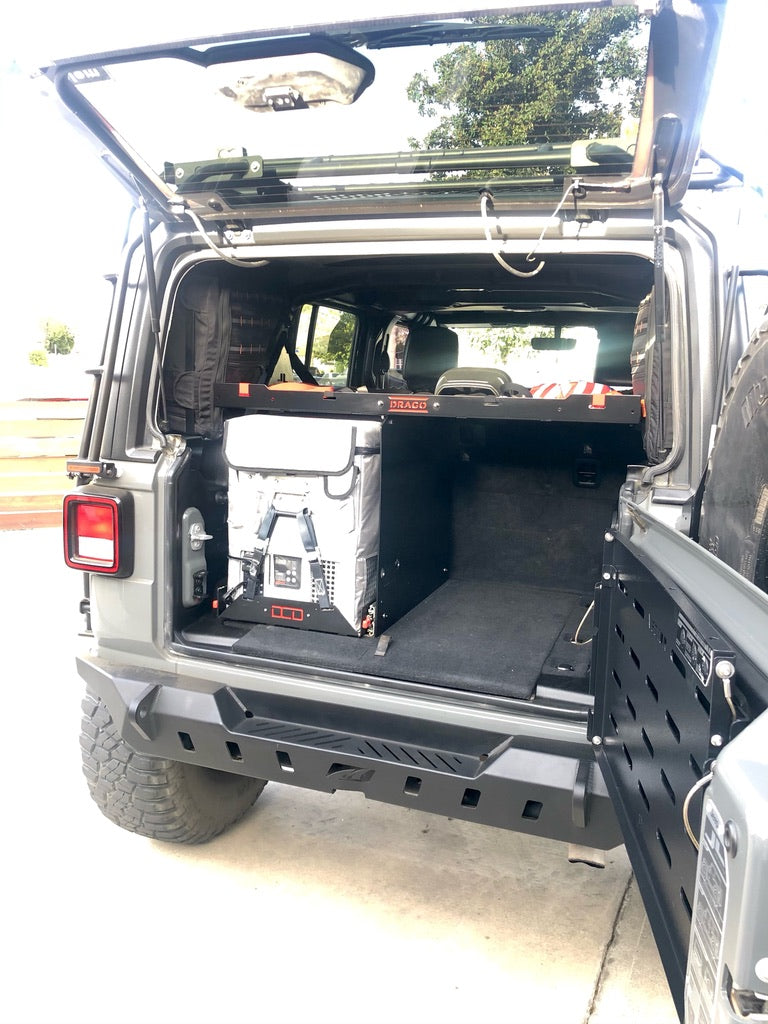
(661, 332)
(659, 288)
(725, 345)
(154, 309)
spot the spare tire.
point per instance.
(734, 509)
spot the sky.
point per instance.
(64, 216)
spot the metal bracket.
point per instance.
(89, 468)
(198, 536)
(580, 803)
(383, 645)
(140, 712)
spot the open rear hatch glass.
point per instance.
(519, 99)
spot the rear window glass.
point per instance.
(324, 342)
(524, 99)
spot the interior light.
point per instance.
(296, 81)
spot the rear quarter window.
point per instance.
(324, 342)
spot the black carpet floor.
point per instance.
(468, 635)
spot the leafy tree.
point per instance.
(38, 357)
(59, 340)
(578, 80)
(333, 338)
(340, 338)
(500, 342)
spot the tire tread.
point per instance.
(153, 796)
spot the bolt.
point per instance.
(597, 741)
(716, 740)
(606, 575)
(255, 166)
(725, 670)
(731, 837)
(179, 172)
(609, 538)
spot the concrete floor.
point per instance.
(314, 908)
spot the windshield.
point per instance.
(515, 102)
(532, 355)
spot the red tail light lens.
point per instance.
(98, 533)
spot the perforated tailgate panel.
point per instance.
(655, 717)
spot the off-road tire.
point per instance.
(154, 796)
(734, 508)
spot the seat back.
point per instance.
(429, 352)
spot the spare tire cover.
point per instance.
(734, 509)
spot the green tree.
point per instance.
(579, 79)
(340, 339)
(59, 340)
(501, 342)
(334, 334)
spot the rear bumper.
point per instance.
(455, 771)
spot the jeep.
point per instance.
(426, 457)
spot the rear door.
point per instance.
(681, 734)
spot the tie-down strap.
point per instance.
(253, 563)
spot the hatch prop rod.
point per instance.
(154, 306)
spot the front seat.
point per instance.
(429, 352)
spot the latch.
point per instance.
(198, 536)
(251, 574)
(194, 568)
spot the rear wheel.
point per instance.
(154, 796)
(734, 508)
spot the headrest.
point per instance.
(429, 351)
(479, 380)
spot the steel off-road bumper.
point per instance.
(459, 772)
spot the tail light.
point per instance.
(98, 532)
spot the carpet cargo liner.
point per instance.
(466, 635)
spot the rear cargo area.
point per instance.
(480, 514)
(527, 507)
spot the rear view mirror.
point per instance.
(553, 344)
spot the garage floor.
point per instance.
(314, 908)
